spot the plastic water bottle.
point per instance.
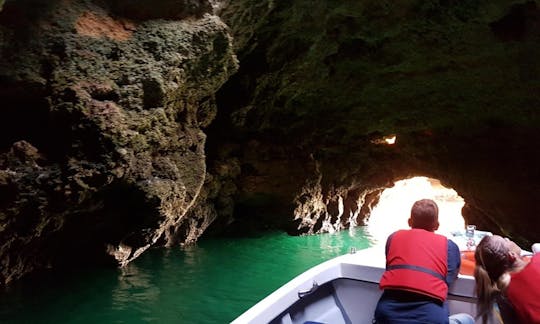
(469, 231)
(469, 234)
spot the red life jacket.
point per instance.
(417, 261)
(524, 292)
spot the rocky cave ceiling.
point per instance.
(130, 123)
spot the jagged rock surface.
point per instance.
(101, 145)
(104, 103)
(322, 83)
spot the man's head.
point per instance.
(425, 215)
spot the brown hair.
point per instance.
(425, 215)
(492, 262)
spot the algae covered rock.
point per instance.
(102, 145)
(323, 83)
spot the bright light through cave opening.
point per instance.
(394, 207)
(390, 139)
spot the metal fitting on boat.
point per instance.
(304, 293)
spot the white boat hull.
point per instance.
(342, 290)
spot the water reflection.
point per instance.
(134, 289)
(333, 244)
(393, 209)
(213, 281)
(364, 233)
(193, 256)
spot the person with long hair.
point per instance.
(506, 285)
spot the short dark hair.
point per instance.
(425, 214)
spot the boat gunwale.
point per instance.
(365, 265)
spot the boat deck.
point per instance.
(341, 290)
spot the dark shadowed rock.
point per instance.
(322, 83)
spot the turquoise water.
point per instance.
(212, 282)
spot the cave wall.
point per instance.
(123, 123)
(103, 105)
(321, 83)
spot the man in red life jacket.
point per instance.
(420, 266)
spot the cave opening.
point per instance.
(393, 208)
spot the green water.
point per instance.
(212, 282)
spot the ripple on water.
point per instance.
(212, 282)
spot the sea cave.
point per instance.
(131, 124)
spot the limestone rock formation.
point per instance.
(123, 123)
(323, 83)
(102, 110)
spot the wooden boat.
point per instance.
(346, 290)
